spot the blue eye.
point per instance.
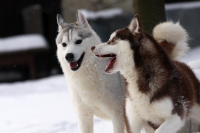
(78, 41)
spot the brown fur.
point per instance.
(159, 77)
(126, 123)
(168, 47)
(112, 42)
(127, 94)
(153, 125)
(190, 76)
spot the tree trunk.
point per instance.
(151, 13)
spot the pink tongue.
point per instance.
(73, 64)
(110, 64)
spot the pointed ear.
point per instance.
(135, 26)
(81, 20)
(61, 22)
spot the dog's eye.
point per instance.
(64, 44)
(113, 39)
(78, 41)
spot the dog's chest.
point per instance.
(155, 112)
(88, 85)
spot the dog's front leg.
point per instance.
(84, 114)
(171, 125)
(135, 122)
(85, 121)
(118, 123)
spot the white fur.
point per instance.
(134, 26)
(61, 22)
(81, 20)
(91, 90)
(172, 33)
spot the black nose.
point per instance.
(93, 47)
(69, 57)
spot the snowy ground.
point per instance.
(44, 106)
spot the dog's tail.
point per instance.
(172, 38)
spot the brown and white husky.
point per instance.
(159, 90)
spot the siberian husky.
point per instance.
(92, 91)
(160, 91)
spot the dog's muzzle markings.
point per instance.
(111, 62)
(93, 47)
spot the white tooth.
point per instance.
(76, 64)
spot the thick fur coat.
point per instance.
(160, 91)
(92, 91)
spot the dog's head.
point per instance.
(120, 46)
(73, 41)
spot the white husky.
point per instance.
(92, 91)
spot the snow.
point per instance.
(192, 55)
(44, 106)
(22, 43)
(107, 13)
(40, 106)
(183, 5)
(194, 64)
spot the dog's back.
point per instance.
(178, 81)
(189, 79)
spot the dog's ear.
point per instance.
(61, 22)
(135, 26)
(81, 20)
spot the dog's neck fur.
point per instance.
(149, 65)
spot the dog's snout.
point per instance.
(69, 57)
(93, 47)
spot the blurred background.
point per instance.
(28, 30)
(34, 95)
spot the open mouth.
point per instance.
(111, 62)
(76, 64)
